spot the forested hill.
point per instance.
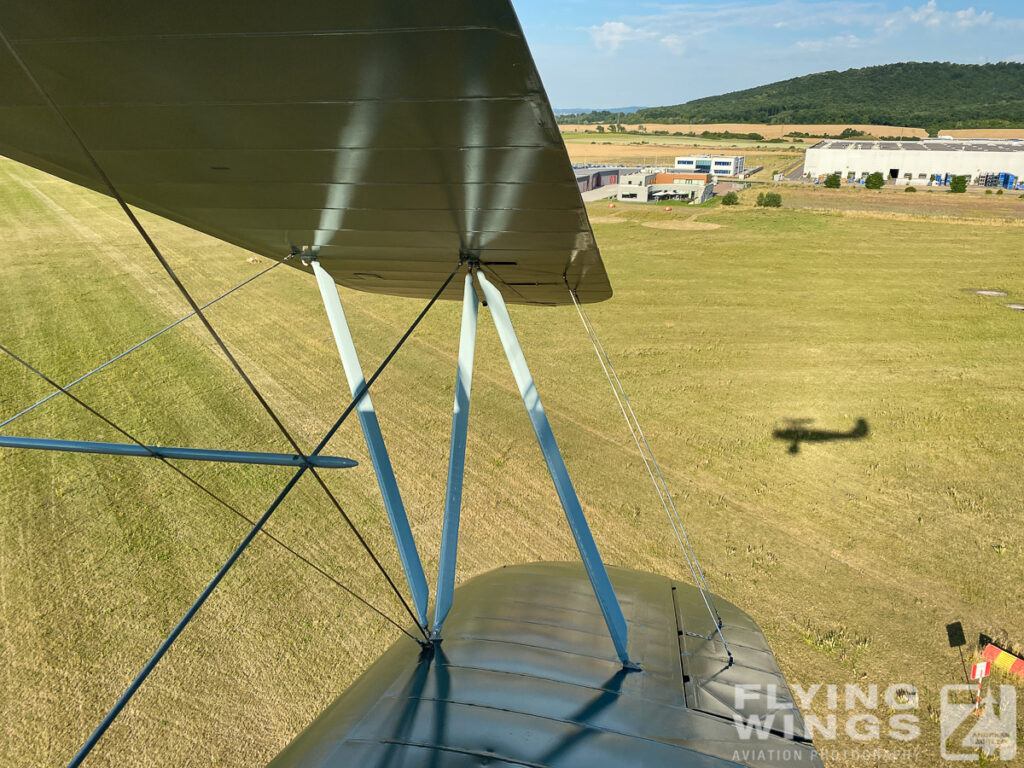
(923, 95)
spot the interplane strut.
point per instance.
(456, 459)
(407, 551)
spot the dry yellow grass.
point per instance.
(606, 220)
(686, 224)
(851, 556)
(985, 133)
(927, 202)
(658, 153)
(916, 217)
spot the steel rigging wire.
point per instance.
(258, 525)
(146, 340)
(654, 471)
(256, 528)
(63, 390)
(199, 312)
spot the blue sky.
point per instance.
(596, 53)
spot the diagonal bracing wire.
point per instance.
(63, 390)
(134, 347)
(653, 470)
(191, 612)
(197, 310)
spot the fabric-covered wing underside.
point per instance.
(391, 135)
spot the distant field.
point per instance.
(780, 131)
(986, 133)
(766, 130)
(629, 139)
(656, 151)
(727, 323)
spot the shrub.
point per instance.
(730, 198)
(999, 191)
(910, 189)
(958, 184)
(832, 181)
(769, 200)
(874, 181)
(987, 191)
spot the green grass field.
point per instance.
(852, 555)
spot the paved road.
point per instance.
(796, 174)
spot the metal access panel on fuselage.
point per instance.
(527, 676)
(390, 135)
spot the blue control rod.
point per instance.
(163, 452)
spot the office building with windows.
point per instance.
(716, 165)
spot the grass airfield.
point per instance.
(726, 324)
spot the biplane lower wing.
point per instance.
(527, 676)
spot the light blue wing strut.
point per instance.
(375, 444)
(456, 459)
(559, 474)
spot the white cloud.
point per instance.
(926, 14)
(837, 41)
(970, 17)
(690, 19)
(674, 43)
(801, 26)
(685, 20)
(612, 34)
(930, 15)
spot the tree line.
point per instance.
(929, 95)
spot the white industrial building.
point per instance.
(642, 185)
(991, 162)
(656, 185)
(717, 165)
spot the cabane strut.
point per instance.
(582, 535)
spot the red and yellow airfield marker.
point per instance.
(1000, 659)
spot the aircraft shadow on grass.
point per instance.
(798, 432)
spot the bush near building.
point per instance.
(874, 181)
(958, 184)
(832, 181)
(730, 198)
(769, 200)
(910, 189)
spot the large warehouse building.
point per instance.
(990, 162)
